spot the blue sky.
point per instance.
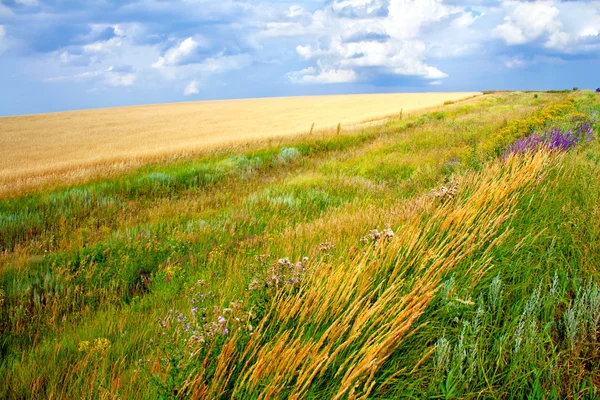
(60, 55)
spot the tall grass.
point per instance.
(331, 337)
(427, 257)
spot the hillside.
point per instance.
(446, 254)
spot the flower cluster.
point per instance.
(281, 273)
(326, 246)
(375, 236)
(206, 321)
(553, 139)
(445, 192)
(99, 345)
(522, 127)
(185, 337)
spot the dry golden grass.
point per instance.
(351, 315)
(71, 146)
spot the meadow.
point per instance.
(38, 150)
(451, 253)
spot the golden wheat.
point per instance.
(37, 149)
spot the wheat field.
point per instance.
(71, 146)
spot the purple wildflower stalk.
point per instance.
(553, 139)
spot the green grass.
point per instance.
(488, 293)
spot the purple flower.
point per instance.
(553, 139)
(225, 332)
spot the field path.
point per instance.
(39, 148)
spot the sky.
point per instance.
(58, 55)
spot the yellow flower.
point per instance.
(84, 346)
(99, 345)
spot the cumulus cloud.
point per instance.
(354, 38)
(313, 75)
(183, 52)
(527, 22)
(466, 19)
(192, 88)
(108, 46)
(568, 27)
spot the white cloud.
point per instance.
(308, 52)
(465, 19)
(115, 77)
(311, 75)
(108, 46)
(217, 64)
(28, 2)
(182, 53)
(435, 83)
(569, 27)
(192, 88)
(352, 37)
(67, 58)
(118, 78)
(515, 62)
(528, 21)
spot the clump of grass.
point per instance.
(288, 154)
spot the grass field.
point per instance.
(447, 254)
(40, 149)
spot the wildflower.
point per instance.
(194, 310)
(221, 320)
(83, 346)
(374, 234)
(254, 285)
(225, 332)
(446, 192)
(388, 233)
(554, 139)
(101, 344)
(284, 262)
(326, 246)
